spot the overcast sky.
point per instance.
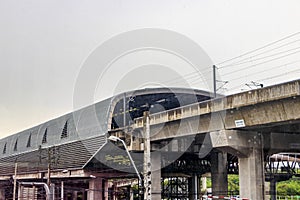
(43, 45)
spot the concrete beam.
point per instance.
(264, 107)
(238, 143)
(249, 98)
(267, 114)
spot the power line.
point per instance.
(259, 72)
(269, 78)
(276, 76)
(286, 44)
(254, 65)
(186, 77)
(269, 44)
(261, 58)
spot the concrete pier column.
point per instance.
(156, 175)
(247, 146)
(95, 189)
(219, 178)
(251, 175)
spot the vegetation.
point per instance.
(284, 188)
(288, 188)
(233, 183)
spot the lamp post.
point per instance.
(114, 138)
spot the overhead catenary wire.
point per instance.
(196, 77)
(264, 62)
(261, 53)
(268, 78)
(264, 70)
(188, 76)
(260, 58)
(279, 75)
(257, 49)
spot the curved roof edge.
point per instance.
(86, 122)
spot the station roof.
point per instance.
(77, 136)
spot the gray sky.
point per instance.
(43, 45)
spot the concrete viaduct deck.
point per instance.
(275, 108)
(250, 125)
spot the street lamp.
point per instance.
(114, 138)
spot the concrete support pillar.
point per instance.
(219, 178)
(156, 175)
(193, 187)
(2, 193)
(247, 146)
(95, 189)
(251, 175)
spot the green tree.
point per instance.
(289, 187)
(208, 182)
(233, 183)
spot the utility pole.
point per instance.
(15, 181)
(49, 168)
(124, 110)
(215, 81)
(62, 190)
(147, 157)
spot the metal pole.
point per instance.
(195, 177)
(48, 175)
(131, 160)
(20, 189)
(124, 110)
(214, 81)
(114, 138)
(49, 167)
(147, 157)
(62, 191)
(52, 191)
(15, 181)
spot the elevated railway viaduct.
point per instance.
(191, 134)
